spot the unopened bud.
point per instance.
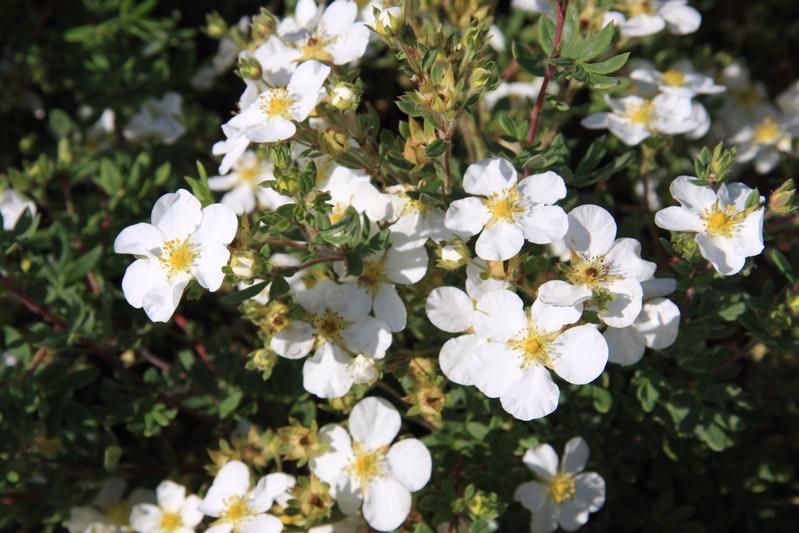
(264, 24)
(249, 68)
(452, 255)
(344, 96)
(479, 78)
(242, 264)
(333, 142)
(215, 25)
(388, 21)
(782, 201)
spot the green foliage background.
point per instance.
(701, 437)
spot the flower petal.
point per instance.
(329, 466)
(212, 258)
(458, 356)
(467, 215)
(177, 215)
(496, 369)
(677, 218)
(551, 318)
(142, 277)
(544, 224)
(592, 230)
(219, 225)
(374, 422)
(405, 266)
(170, 496)
(386, 504)
(532, 396)
(499, 315)
(658, 323)
(489, 176)
(623, 309)
(390, 308)
(326, 374)
(449, 309)
(306, 86)
(531, 495)
(626, 346)
(589, 497)
(232, 480)
(575, 455)
(499, 242)
(294, 341)
(562, 293)
(411, 463)
(721, 253)
(369, 336)
(161, 302)
(545, 188)
(262, 523)
(697, 198)
(268, 489)
(542, 460)
(139, 239)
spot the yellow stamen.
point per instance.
(636, 8)
(642, 114)
(767, 131)
(316, 48)
(504, 207)
(236, 509)
(371, 274)
(723, 222)
(590, 272)
(533, 346)
(329, 325)
(277, 103)
(562, 487)
(170, 521)
(177, 256)
(367, 464)
(249, 175)
(674, 78)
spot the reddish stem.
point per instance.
(32, 304)
(535, 114)
(199, 347)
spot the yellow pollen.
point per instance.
(367, 464)
(177, 256)
(533, 347)
(329, 325)
(316, 48)
(562, 487)
(591, 273)
(249, 175)
(337, 213)
(722, 222)
(642, 114)
(170, 521)
(639, 7)
(277, 103)
(674, 77)
(767, 131)
(414, 206)
(235, 511)
(504, 207)
(371, 274)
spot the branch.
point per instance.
(32, 304)
(535, 114)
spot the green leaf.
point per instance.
(594, 45)
(199, 187)
(80, 267)
(229, 404)
(60, 123)
(602, 399)
(111, 457)
(278, 288)
(436, 148)
(732, 312)
(646, 393)
(526, 61)
(609, 65)
(546, 34)
(782, 264)
(249, 292)
(571, 31)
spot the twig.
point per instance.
(535, 113)
(199, 347)
(32, 304)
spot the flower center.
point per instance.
(533, 347)
(177, 256)
(562, 487)
(249, 175)
(236, 510)
(642, 114)
(316, 48)
(504, 206)
(636, 8)
(337, 213)
(767, 131)
(371, 274)
(170, 521)
(591, 273)
(328, 325)
(366, 464)
(674, 78)
(277, 103)
(722, 222)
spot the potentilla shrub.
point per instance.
(419, 246)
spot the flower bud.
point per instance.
(242, 264)
(263, 25)
(479, 78)
(452, 255)
(333, 142)
(215, 25)
(249, 69)
(782, 201)
(263, 360)
(344, 97)
(388, 21)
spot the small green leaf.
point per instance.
(436, 148)
(229, 404)
(609, 65)
(279, 287)
(782, 264)
(526, 61)
(111, 457)
(546, 34)
(83, 265)
(249, 292)
(594, 45)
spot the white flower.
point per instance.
(513, 365)
(513, 89)
(336, 38)
(109, 512)
(533, 6)
(362, 467)
(647, 17)
(680, 79)
(415, 221)
(270, 117)
(344, 97)
(508, 212)
(727, 231)
(353, 188)
(245, 185)
(603, 269)
(496, 39)
(452, 310)
(157, 119)
(174, 513)
(656, 326)
(564, 495)
(184, 242)
(633, 119)
(12, 206)
(382, 271)
(239, 507)
(765, 141)
(337, 329)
